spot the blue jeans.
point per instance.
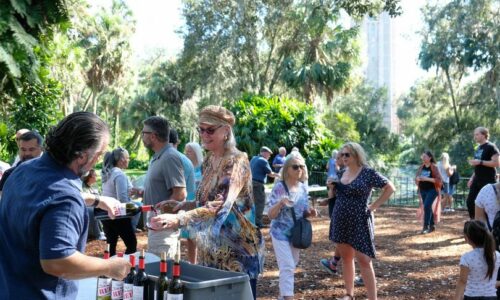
(428, 197)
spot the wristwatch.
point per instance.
(97, 200)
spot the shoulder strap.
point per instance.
(291, 208)
(494, 189)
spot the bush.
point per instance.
(275, 122)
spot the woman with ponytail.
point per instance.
(115, 184)
(479, 267)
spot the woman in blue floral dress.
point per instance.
(351, 228)
(290, 191)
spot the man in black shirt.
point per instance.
(485, 163)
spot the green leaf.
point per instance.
(10, 62)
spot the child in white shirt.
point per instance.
(479, 267)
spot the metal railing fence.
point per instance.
(406, 190)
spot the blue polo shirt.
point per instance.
(188, 176)
(260, 168)
(42, 216)
(278, 160)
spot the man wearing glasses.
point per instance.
(164, 181)
(260, 168)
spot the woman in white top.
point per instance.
(446, 170)
(479, 267)
(488, 204)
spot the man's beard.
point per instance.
(83, 168)
(26, 157)
(147, 145)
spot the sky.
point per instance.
(158, 21)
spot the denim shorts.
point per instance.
(446, 188)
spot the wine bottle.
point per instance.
(103, 282)
(161, 286)
(117, 286)
(128, 282)
(176, 287)
(125, 210)
(141, 285)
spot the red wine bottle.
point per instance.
(128, 282)
(103, 282)
(161, 286)
(141, 284)
(176, 287)
(117, 285)
(126, 210)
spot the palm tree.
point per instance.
(328, 60)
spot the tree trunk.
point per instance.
(453, 100)
(117, 122)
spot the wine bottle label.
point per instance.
(128, 291)
(103, 287)
(175, 297)
(122, 210)
(116, 290)
(138, 293)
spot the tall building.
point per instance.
(377, 52)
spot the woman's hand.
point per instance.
(312, 212)
(285, 201)
(164, 221)
(135, 192)
(214, 204)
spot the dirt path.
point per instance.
(409, 265)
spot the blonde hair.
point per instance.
(288, 164)
(198, 152)
(357, 152)
(445, 160)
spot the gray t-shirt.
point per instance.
(164, 173)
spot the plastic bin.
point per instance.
(205, 283)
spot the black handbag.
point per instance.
(301, 231)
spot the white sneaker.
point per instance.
(451, 210)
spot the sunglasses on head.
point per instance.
(345, 154)
(296, 167)
(209, 131)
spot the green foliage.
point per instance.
(160, 92)
(357, 117)
(21, 23)
(460, 36)
(427, 120)
(342, 126)
(276, 122)
(37, 108)
(266, 47)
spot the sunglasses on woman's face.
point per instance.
(296, 167)
(209, 131)
(345, 154)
